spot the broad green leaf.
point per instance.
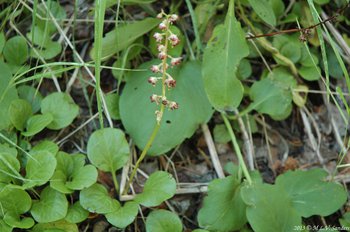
(121, 37)
(76, 213)
(112, 101)
(45, 145)
(309, 73)
(57, 226)
(108, 149)
(39, 169)
(160, 186)
(51, 207)
(345, 220)
(204, 11)
(221, 134)
(223, 208)
(95, 199)
(30, 94)
(310, 193)
(269, 208)
(20, 110)
(52, 8)
(277, 7)
(16, 50)
(273, 95)
(17, 221)
(124, 216)
(7, 93)
(49, 52)
(37, 123)
(264, 10)
(58, 182)
(244, 69)
(62, 108)
(4, 227)
(161, 220)
(9, 167)
(225, 49)
(194, 108)
(2, 41)
(82, 178)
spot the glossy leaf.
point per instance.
(224, 51)
(223, 208)
(160, 186)
(62, 108)
(20, 110)
(16, 50)
(264, 10)
(76, 213)
(310, 193)
(124, 216)
(51, 207)
(108, 149)
(269, 208)
(37, 123)
(139, 120)
(161, 220)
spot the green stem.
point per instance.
(195, 27)
(115, 182)
(237, 149)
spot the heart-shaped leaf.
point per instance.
(108, 149)
(226, 48)
(37, 123)
(9, 164)
(139, 120)
(124, 216)
(62, 108)
(264, 10)
(16, 50)
(310, 193)
(160, 186)
(58, 226)
(51, 207)
(76, 213)
(223, 209)
(162, 220)
(20, 110)
(30, 94)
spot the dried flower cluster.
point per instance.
(166, 40)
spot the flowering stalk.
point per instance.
(166, 40)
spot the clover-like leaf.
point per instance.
(95, 199)
(108, 149)
(76, 213)
(140, 120)
(226, 48)
(62, 108)
(123, 216)
(52, 206)
(16, 50)
(269, 208)
(310, 193)
(161, 220)
(223, 209)
(39, 169)
(160, 186)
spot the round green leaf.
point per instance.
(82, 178)
(108, 149)
(221, 134)
(112, 101)
(62, 108)
(30, 94)
(309, 73)
(95, 199)
(37, 123)
(17, 221)
(58, 226)
(139, 120)
(76, 213)
(51, 50)
(160, 186)
(58, 182)
(223, 208)
(124, 216)
(20, 110)
(2, 41)
(9, 166)
(16, 50)
(45, 145)
(52, 206)
(39, 169)
(264, 10)
(162, 221)
(310, 194)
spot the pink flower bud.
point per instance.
(161, 48)
(173, 105)
(160, 15)
(159, 116)
(154, 98)
(165, 102)
(153, 80)
(174, 39)
(173, 18)
(170, 82)
(162, 55)
(155, 68)
(175, 61)
(158, 37)
(162, 26)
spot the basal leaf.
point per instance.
(76, 213)
(112, 101)
(2, 41)
(45, 145)
(124, 216)
(269, 208)
(119, 38)
(108, 149)
(9, 167)
(20, 110)
(16, 220)
(37, 123)
(223, 208)
(57, 226)
(264, 10)
(139, 120)
(160, 186)
(224, 51)
(162, 220)
(62, 108)
(30, 94)
(16, 50)
(51, 207)
(82, 178)
(310, 193)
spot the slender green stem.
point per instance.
(237, 149)
(195, 27)
(115, 182)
